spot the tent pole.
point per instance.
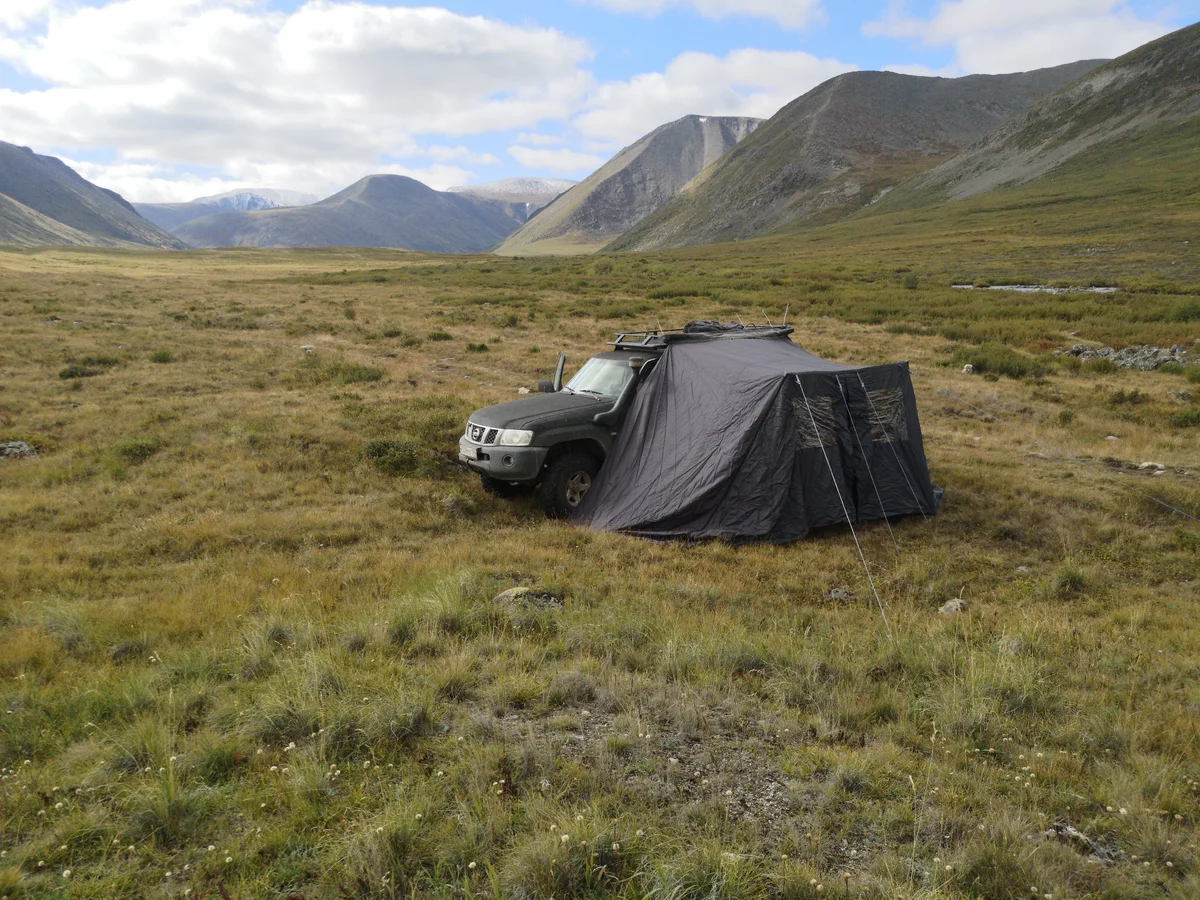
(845, 510)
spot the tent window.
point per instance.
(822, 414)
(888, 422)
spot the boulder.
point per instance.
(953, 607)
(529, 596)
(17, 450)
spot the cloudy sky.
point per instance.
(174, 99)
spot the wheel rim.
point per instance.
(578, 485)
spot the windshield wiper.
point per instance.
(595, 394)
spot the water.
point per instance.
(1038, 289)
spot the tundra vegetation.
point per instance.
(249, 645)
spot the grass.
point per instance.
(247, 598)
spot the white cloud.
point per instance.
(322, 93)
(540, 140)
(1019, 35)
(560, 160)
(743, 83)
(795, 14)
(462, 154)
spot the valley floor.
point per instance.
(249, 646)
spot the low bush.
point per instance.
(161, 356)
(997, 359)
(76, 370)
(1187, 419)
(393, 457)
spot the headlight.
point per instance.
(513, 437)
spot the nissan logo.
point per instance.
(476, 433)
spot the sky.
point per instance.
(169, 100)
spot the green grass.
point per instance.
(247, 600)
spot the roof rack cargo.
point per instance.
(658, 338)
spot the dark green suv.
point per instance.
(556, 440)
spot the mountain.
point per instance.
(170, 216)
(630, 186)
(1154, 86)
(840, 147)
(518, 190)
(378, 211)
(45, 201)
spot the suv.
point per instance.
(557, 441)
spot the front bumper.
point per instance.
(503, 463)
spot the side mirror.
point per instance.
(545, 386)
(558, 371)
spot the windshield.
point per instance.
(605, 377)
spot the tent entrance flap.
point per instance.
(728, 438)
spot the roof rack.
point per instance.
(658, 338)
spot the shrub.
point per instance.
(393, 457)
(161, 356)
(1187, 419)
(1100, 366)
(440, 336)
(997, 359)
(1193, 374)
(477, 348)
(136, 450)
(76, 370)
(911, 283)
(1066, 416)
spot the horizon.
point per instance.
(175, 100)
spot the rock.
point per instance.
(840, 595)
(968, 369)
(17, 450)
(1072, 836)
(522, 390)
(308, 348)
(529, 596)
(1023, 569)
(1112, 437)
(1185, 396)
(1150, 465)
(953, 607)
(1141, 357)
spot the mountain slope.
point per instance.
(65, 207)
(169, 216)
(630, 186)
(1156, 84)
(520, 197)
(378, 211)
(838, 148)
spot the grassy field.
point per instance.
(249, 646)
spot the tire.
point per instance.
(504, 489)
(565, 482)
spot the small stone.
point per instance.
(308, 348)
(1112, 437)
(1150, 465)
(953, 607)
(840, 595)
(968, 369)
(17, 450)
(522, 390)
(529, 596)
(1023, 569)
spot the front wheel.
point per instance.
(566, 481)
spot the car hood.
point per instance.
(528, 412)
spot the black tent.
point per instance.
(739, 434)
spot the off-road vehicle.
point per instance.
(556, 441)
